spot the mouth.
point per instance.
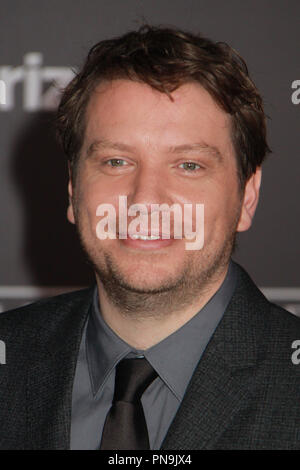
(146, 242)
(144, 236)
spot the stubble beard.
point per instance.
(197, 278)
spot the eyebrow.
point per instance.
(177, 149)
(197, 147)
(107, 144)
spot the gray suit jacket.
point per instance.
(244, 393)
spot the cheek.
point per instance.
(90, 197)
(221, 209)
(92, 194)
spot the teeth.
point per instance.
(144, 237)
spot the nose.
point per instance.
(150, 186)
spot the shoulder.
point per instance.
(39, 323)
(62, 302)
(282, 320)
(248, 297)
(266, 329)
(281, 342)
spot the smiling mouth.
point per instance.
(143, 237)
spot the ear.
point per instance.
(70, 210)
(251, 196)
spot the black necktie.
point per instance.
(125, 426)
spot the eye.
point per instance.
(116, 162)
(190, 166)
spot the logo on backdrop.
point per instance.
(34, 77)
(296, 94)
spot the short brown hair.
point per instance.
(166, 58)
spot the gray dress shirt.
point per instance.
(174, 359)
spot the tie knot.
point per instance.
(133, 376)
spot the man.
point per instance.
(174, 348)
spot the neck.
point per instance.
(153, 316)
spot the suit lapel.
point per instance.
(221, 383)
(213, 398)
(51, 376)
(48, 403)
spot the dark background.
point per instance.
(38, 247)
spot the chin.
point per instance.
(148, 279)
(147, 284)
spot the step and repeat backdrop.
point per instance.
(43, 42)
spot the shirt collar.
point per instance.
(174, 358)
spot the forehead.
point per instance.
(136, 114)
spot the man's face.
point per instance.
(140, 144)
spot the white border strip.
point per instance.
(29, 292)
(282, 294)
